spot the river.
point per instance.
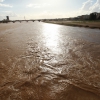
(42, 61)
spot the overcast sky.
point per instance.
(39, 9)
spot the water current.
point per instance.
(41, 61)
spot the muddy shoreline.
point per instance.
(92, 25)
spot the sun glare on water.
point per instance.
(52, 37)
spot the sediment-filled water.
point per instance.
(40, 61)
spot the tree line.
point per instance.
(93, 16)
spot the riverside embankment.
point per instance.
(88, 24)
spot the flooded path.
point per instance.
(41, 61)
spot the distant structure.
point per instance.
(7, 18)
(24, 18)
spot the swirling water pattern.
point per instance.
(40, 61)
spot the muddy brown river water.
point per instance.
(41, 61)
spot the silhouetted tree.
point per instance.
(93, 16)
(99, 17)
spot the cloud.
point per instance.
(7, 13)
(86, 5)
(30, 5)
(95, 7)
(38, 5)
(1, 0)
(12, 15)
(5, 5)
(89, 6)
(34, 5)
(46, 14)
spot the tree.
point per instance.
(93, 16)
(99, 17)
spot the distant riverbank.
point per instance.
(88, 24)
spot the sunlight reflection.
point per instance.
(52, 38)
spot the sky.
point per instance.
(41, 9)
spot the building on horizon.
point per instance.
(7, 18)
